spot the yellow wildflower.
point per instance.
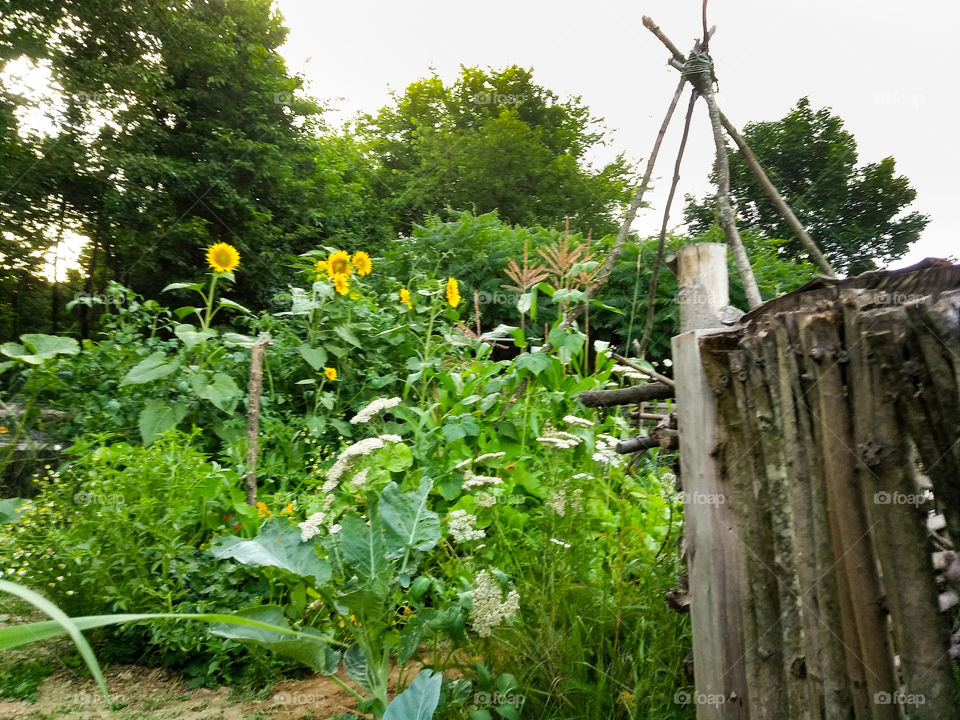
(320, 268)
(331, 373)
(4, 429)
(223, 257)
(341, 284)
(361, 261)
(453, 292)
(405, 298)
(288, 510)
(339, 264)
(262, 507)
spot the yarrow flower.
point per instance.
(391, 438)
(627, 372)
(311, 526)
(461, 526)
(605, 451)
(489, 608)
(377, 406)
(360, 478)
(574, 420)
(453, 292)
(559, 439)
(486, 500)
(223, 257)
(349, 456)
(471, 481)
(361, 261)
(490, 456)
(405, 298)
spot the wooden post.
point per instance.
(257, 351)
(715, 556)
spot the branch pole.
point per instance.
(778, 202)
(257, 351)
(727, 216)
(638, 196)
(640, 369)
(661, 241)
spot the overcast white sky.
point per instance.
(883, 66)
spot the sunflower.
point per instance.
(320, 268)
(331, 373)
(361, 261)
(405, 298)
(341, 284)
(223, 257)
(339, 264)
(453, 292)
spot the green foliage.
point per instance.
(494, 140)
(22, 680)
(856, 215)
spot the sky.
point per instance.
(882, 66)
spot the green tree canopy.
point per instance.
(494, 140)
(856, 215)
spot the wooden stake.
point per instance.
(257, 351)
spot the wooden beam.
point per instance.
(627, 396)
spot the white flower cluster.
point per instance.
(560, 500)
(471, 481)
(311, 526)
(360, 478)
(485, 500)
(558, 439)
(461, 526)
(349, 456)
(605, 451)
(489, 608)
(486, 457)
(574, 420)
(374, 408)
(627, 372)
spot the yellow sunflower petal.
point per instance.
(339, 264)
(223, 257)
(362, 262)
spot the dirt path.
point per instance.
(154, 694)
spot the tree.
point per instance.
(856, 215)
(492, 141)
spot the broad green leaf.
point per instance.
(409, 524)
(569, 340)
(4, 366)
(157, 417)
(150, 368)
(278, 545)
(182, 286)
(221, 390)
(498, 332)
(309, 646)
(357, 668)
(535, 362)
(397, 457)
(316, 357)
(419, 701)
(224, 302)
(38, 348)
(232, 338)
(10, 510)
(345, 333)
(564, 295)
(191, 337)
(362, 547)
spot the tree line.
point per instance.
(177, 125)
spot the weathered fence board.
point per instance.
(830, 405)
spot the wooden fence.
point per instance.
(820, 461)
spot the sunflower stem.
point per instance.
(209, 315)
